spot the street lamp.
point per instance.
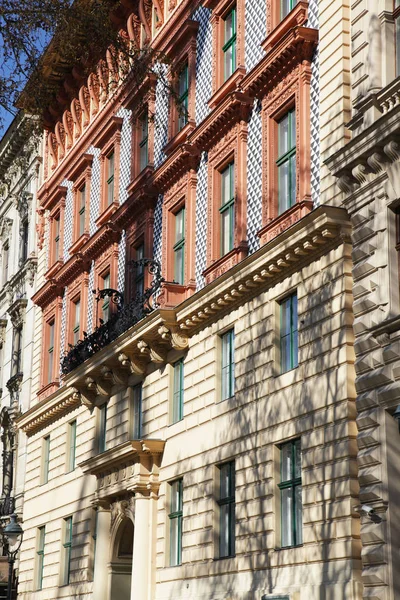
(12, 536)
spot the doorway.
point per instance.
(121, 564)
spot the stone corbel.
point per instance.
(392, 150)
(154, 352)
(176, 339)
(113, 375)
(347, 183)
(100, 387)
(131, 364)
(31, 270)
(3, 326)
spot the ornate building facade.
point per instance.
(199, 439)
(20, 166)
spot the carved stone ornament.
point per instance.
(123, 509)
(3, 327)
(24, 201)
(17, 312)
(5, 229)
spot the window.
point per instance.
(137, 411)
(227, 209)
(183, 97)
(77, 320)
(226, 503)
(396, 16)
(71, 441)
(103, 428)
(179, 247)
(56, 239)
(228, 365)
(24, 241)
(41, 533)
(50, 351)
(16, 354)
(288, 333)
(67, 547)
(5, 262)
(143, 140)
(94, 536)
(177, 404)
(110, 178)
(45, 460)
(286, 7)
(229, 47)
(175, 523)
(105, 308)
(290, 490)
(286, 162)
(139, 279)
(81, 210)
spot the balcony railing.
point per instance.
(120, 320)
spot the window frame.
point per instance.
(67, 550)
(137, 411)
(102, 428)
(293, 333)
(292, 484)
(45, 466)
(40, 547)
(50, 375)
(285, 158)
(292, 3)
(230, 501)
(175, 519)
(5, 262)
(228, 335)
(72, 427)
(177, 408)
(81, 175)
(230, 43)
(229, 207)
(179, 246)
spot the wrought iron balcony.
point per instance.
(119, 321)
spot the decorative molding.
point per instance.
(49, 410)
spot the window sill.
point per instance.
(297, 17)
(284, 221)
(47, 390)
(106, 214)
(223, 264)
(79, 243)
(288, 547)
(53, 269)
(180, 137)
(229, 86)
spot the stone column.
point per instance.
(141, 548)
(101, 559)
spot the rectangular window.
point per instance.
(45, 460)
(81, 210)
(226, 503)
(177, 405)
(286, 162)
(6, 251)
(290, 489)
(143, 140)
(105, 309)
(175, 523)
(286, 7)
(24, 241)
(179, 247)
(289, 333)
(94, 536)
(71, 439)
(229, 47)
(67, 548)
(139, 279)
(56, 239)
(228, 365)
(50, 351)
(183, 97)
(77, 320)
(103, 428)
(41, 533)
(110, 178)
(137, 411)
(227, 209)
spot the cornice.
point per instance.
(187, 31)
(296, 45)
(42, 414)
(108, 129)
(50, 290)
(79, 166)
(122, 454)
(49, 196)
(185, 157)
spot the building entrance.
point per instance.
(121, 564)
